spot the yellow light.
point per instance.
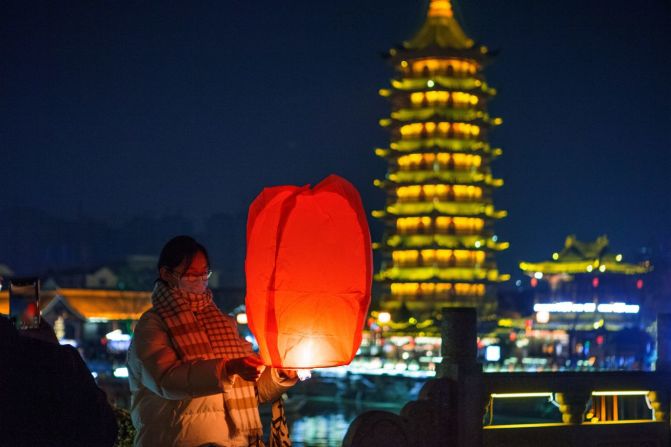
(241, 318)
(618, 258)
(555, 256)
(620, 393)
(384, 317)
(430, 83)
(589, 268)
(520, 395)
(404, 64)
(440, 8)
(602, 268)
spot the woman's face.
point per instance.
(191, 278)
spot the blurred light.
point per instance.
(303, 374)
(595, 282)
(618, 308)
(555, 256)
(590, 268)
(639, 284)
(121, 372)
(542, 317)
(477, 244)
(602, 268)
(493, 353)
(534, 282)
(620, 393)
(495, 238)
(618, 258)
(599, 339)
(384, 317)
(68, 341)
(519, 395)
(241, 318)
(569, 306)
(518, 283)
(430, 83)
(538, 275)
(117, 335)
(94, 374)
(598, 324)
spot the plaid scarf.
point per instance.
(200, 330)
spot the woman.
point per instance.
(193, 380)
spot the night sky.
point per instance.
(113, 109)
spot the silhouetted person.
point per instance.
(47, 394)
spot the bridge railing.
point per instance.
(596, 408)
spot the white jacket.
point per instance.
(181, 404)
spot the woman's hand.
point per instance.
(287, 373)
(249, 368)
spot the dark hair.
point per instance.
(180, 249)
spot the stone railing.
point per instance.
(450, 409)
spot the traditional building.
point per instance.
(586, 285)
(439, 244)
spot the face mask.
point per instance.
(198, 286)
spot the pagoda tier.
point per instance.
(439, 244)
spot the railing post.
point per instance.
(572, 406)
(660, 398)
(663, 343)
(459, 350)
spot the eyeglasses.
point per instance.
(194, 276)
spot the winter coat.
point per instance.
(181, 404)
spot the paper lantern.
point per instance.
(308, 271)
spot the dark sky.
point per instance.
(117, 108)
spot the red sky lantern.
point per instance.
(309, 274)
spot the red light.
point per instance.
(639, 284)
(599, 339)
(534, 282)
(595, 282)
(513, 336)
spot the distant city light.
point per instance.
(542, 317)
(121, 372)
(430, 83)
(602, 268)
(493, 353)
(117, 335)
(538, 275)
(571, 307)
(618, 258)
(68, 341)
(555, 256)
(241, 318)
(590, 268)
(384, 317)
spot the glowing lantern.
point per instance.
(309, 274)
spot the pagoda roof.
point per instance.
(92, 304)
(440, 30)
(585, 257)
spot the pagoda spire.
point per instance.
(440, 29)
(440, 8)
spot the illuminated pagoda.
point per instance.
(587, 285)
(439, 244)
